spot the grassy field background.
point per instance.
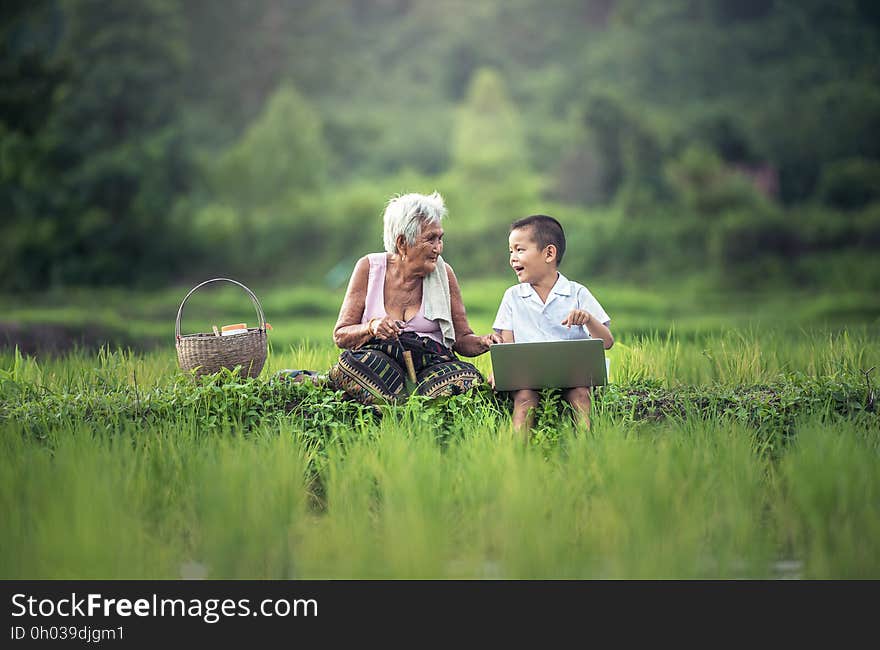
(298, 314)
(737, 440)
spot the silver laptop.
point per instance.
(550, 364)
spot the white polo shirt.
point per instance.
(531, 320)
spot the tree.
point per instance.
(264, 190)
(29, 76)
(281, 154)
(490, 182)
(115, 154)
(630, 155)
(488, 141)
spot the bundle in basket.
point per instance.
(208, 353)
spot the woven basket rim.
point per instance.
(210, 336)
(261, 318)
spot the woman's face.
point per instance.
(427, 247)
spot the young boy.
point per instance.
(546, 306)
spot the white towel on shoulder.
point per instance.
(438, 301)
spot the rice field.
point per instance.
(740, 452)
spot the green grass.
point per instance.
(730, 356)
(678, 500)
(726, 447)
(145, 320)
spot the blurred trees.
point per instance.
(146, 139)
(255, 191)
(708, 186)
(488, 141)
(107, 159)
(490, 181)
(281, 154)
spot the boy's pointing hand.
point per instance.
(577, 317)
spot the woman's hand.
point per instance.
(385, 328)
(577, 317)
(485, 342)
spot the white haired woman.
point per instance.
(406, 301)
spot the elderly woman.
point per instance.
(403, 303)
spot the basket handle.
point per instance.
(254, 300)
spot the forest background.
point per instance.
(703, 145)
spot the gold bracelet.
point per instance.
(370, 326)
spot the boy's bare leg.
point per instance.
(525, 403)
(580, 400)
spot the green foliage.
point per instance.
(749, 248)
(265, 192)
(264, 478)
(811, 489)
(608, 124)
(722, 132)
(238, 58)
(108, 160)
(281, 155)
(489, 183)
(829, 126)
(490, 167)
(850, 184)
(783, 71)
(707, 186)
(217, 402)
(809, 246)
(579, 175)
(629, 154)
(749, 452)
(487, 136)
(504, 107)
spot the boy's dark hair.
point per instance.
(546, 230)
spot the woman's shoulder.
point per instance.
(363, 266)
(370, 261)
(375, 259)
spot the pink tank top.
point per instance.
(375, 303)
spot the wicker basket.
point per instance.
(208, 353)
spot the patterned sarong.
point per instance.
(375, 373)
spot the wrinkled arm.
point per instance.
(349, 332)
(466, 342)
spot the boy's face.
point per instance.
(529, 262)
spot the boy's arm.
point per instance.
(596, 329)
(600, 331)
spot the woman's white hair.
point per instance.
(407, 214)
